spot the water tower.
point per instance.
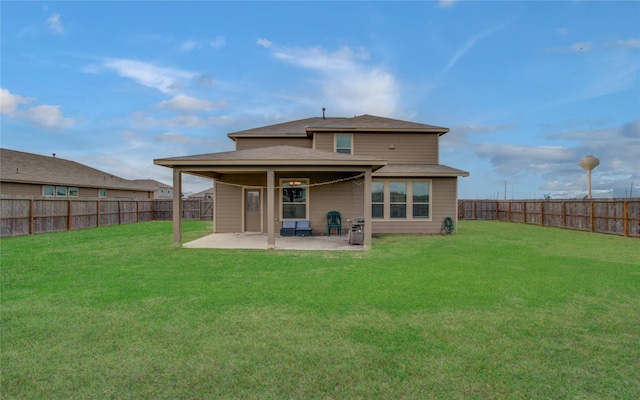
(589, 163)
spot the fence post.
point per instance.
(68, 215)
(509, 211)
(541, 212)
(626, 218)
(564, 214)
(524, 212)
(592, 210)
(31, 218)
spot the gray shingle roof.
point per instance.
(275, 155)
(362, 122)
(18, 166)
(419, 170)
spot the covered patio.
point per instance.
(262, 171)
(259, 241)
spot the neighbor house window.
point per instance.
(377, 200)
(73, 192)
(102, 193)
(344, 144)
(48, 190)
(393, 199)
(294, 198)
(61, 191)
(398, 200)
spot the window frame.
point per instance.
(101, 195)
(303, 182)
(73, 191)
(53, 190)
(408, 203)
(335, 143)
(66, 190)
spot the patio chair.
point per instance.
(303, 228)
(334, 220)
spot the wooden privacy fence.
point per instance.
(615, 217)
(24, 216)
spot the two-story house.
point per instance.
(384, 170)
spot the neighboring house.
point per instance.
(160, 190)
(385, 170)
(203, 195)
(31, 175)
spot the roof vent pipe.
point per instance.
(323, 112)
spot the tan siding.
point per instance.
(228, 212)
(20, 189)
(35, 190)
(345, 197)
(324, 141)
(256, 143)
(443, 204)
(228, 201)
(408, 148)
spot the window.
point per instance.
(377, 200)
(102, 193)
(343, 144)
(73, 192)
(420, 199)
(47, 190)
(398, 200)
(61, 191)
(393, 199)
(294, 198)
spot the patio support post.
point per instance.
(271, 231)
(368, 229)
(177, 206)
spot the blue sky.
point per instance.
(527, 88)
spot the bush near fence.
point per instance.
(24, 216)
(615, 216)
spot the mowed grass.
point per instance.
(496, 311)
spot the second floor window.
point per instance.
(344, 144)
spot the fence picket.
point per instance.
(615, 216)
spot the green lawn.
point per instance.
(496, 311)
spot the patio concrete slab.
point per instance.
(259, 241)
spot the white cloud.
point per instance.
(48, 117)
(347, 82)
(187, 103)
(140, 120)
(267, 44)
(616, 147)
(167, 80)
(446, 3)
(54, 22)
(633, 43)
(472, 42)
(9, 102)
(188, 45)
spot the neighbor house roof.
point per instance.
(369, 123)
(21, 167)
(275, 155)
(152, 184)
